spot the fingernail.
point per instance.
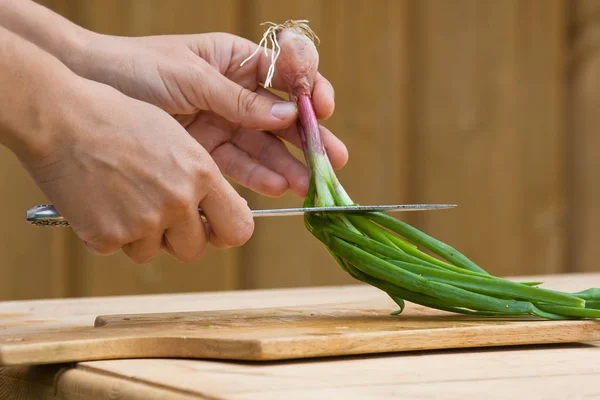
(284, 110)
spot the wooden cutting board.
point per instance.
(283, 333)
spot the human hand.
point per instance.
(198, 79)
(127, 175)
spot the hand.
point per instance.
(127, 175)
(198, 79)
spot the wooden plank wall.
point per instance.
(468, 101)
(489, 131)
(583, 102)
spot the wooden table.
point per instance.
(545, 372)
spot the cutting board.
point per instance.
(283, 333)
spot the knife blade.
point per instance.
(47, 215)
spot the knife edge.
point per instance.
(47, 215)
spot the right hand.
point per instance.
(126, 175)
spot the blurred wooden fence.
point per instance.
(488, 104)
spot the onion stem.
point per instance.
(385, 252)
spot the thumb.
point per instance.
(244, 107)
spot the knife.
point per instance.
(47, 215)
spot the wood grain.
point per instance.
(490, 130)
(16, 383)
(324, 330)
(116, 274)
(76, 384)
(438, 101)
(583, 99)
(33, 262)
(370, 117)
(59, 383)
(539, 372)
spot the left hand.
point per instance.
(198, 80)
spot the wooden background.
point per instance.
(490, 104)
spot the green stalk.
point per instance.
(399, 294)
(494, 287)
(570, 311)
(481, 283)
(407, 247)
(390, 254)
(315, 153)
(388, 272)
(592, 294)
(430, 243)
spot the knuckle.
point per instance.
(138, 257)
(243, 233)
(193, 256)
(224, 37)
(268, 150)
(105, 242)
(199, 166)
(204, 180)
(149, 221)
(247, 102)
(179, 199)
(203, 171)
(188, 254)
(109, 244)
(200, 97)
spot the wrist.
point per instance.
(84, 52)
(48, 30)
(73, 49)
(104, 59)
(37, 94)
(44, 128)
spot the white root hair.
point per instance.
(271, 35)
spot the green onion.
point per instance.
(385, 252)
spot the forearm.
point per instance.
(45, 28)
(35, 92)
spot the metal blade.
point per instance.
(47, 215)
(350, 209)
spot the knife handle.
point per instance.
(47, 215)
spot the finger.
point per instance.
(185, 120)
(214, 239)
(240, 105)
(105, 239)
(100, 251)
(144, 250)
(323, 94)
(255, 68)
(241, 168)
(186, 239)
(210, 130)
(230, 219)
(323, 98)
(236, 163)
(273, 154)
(336, 149)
